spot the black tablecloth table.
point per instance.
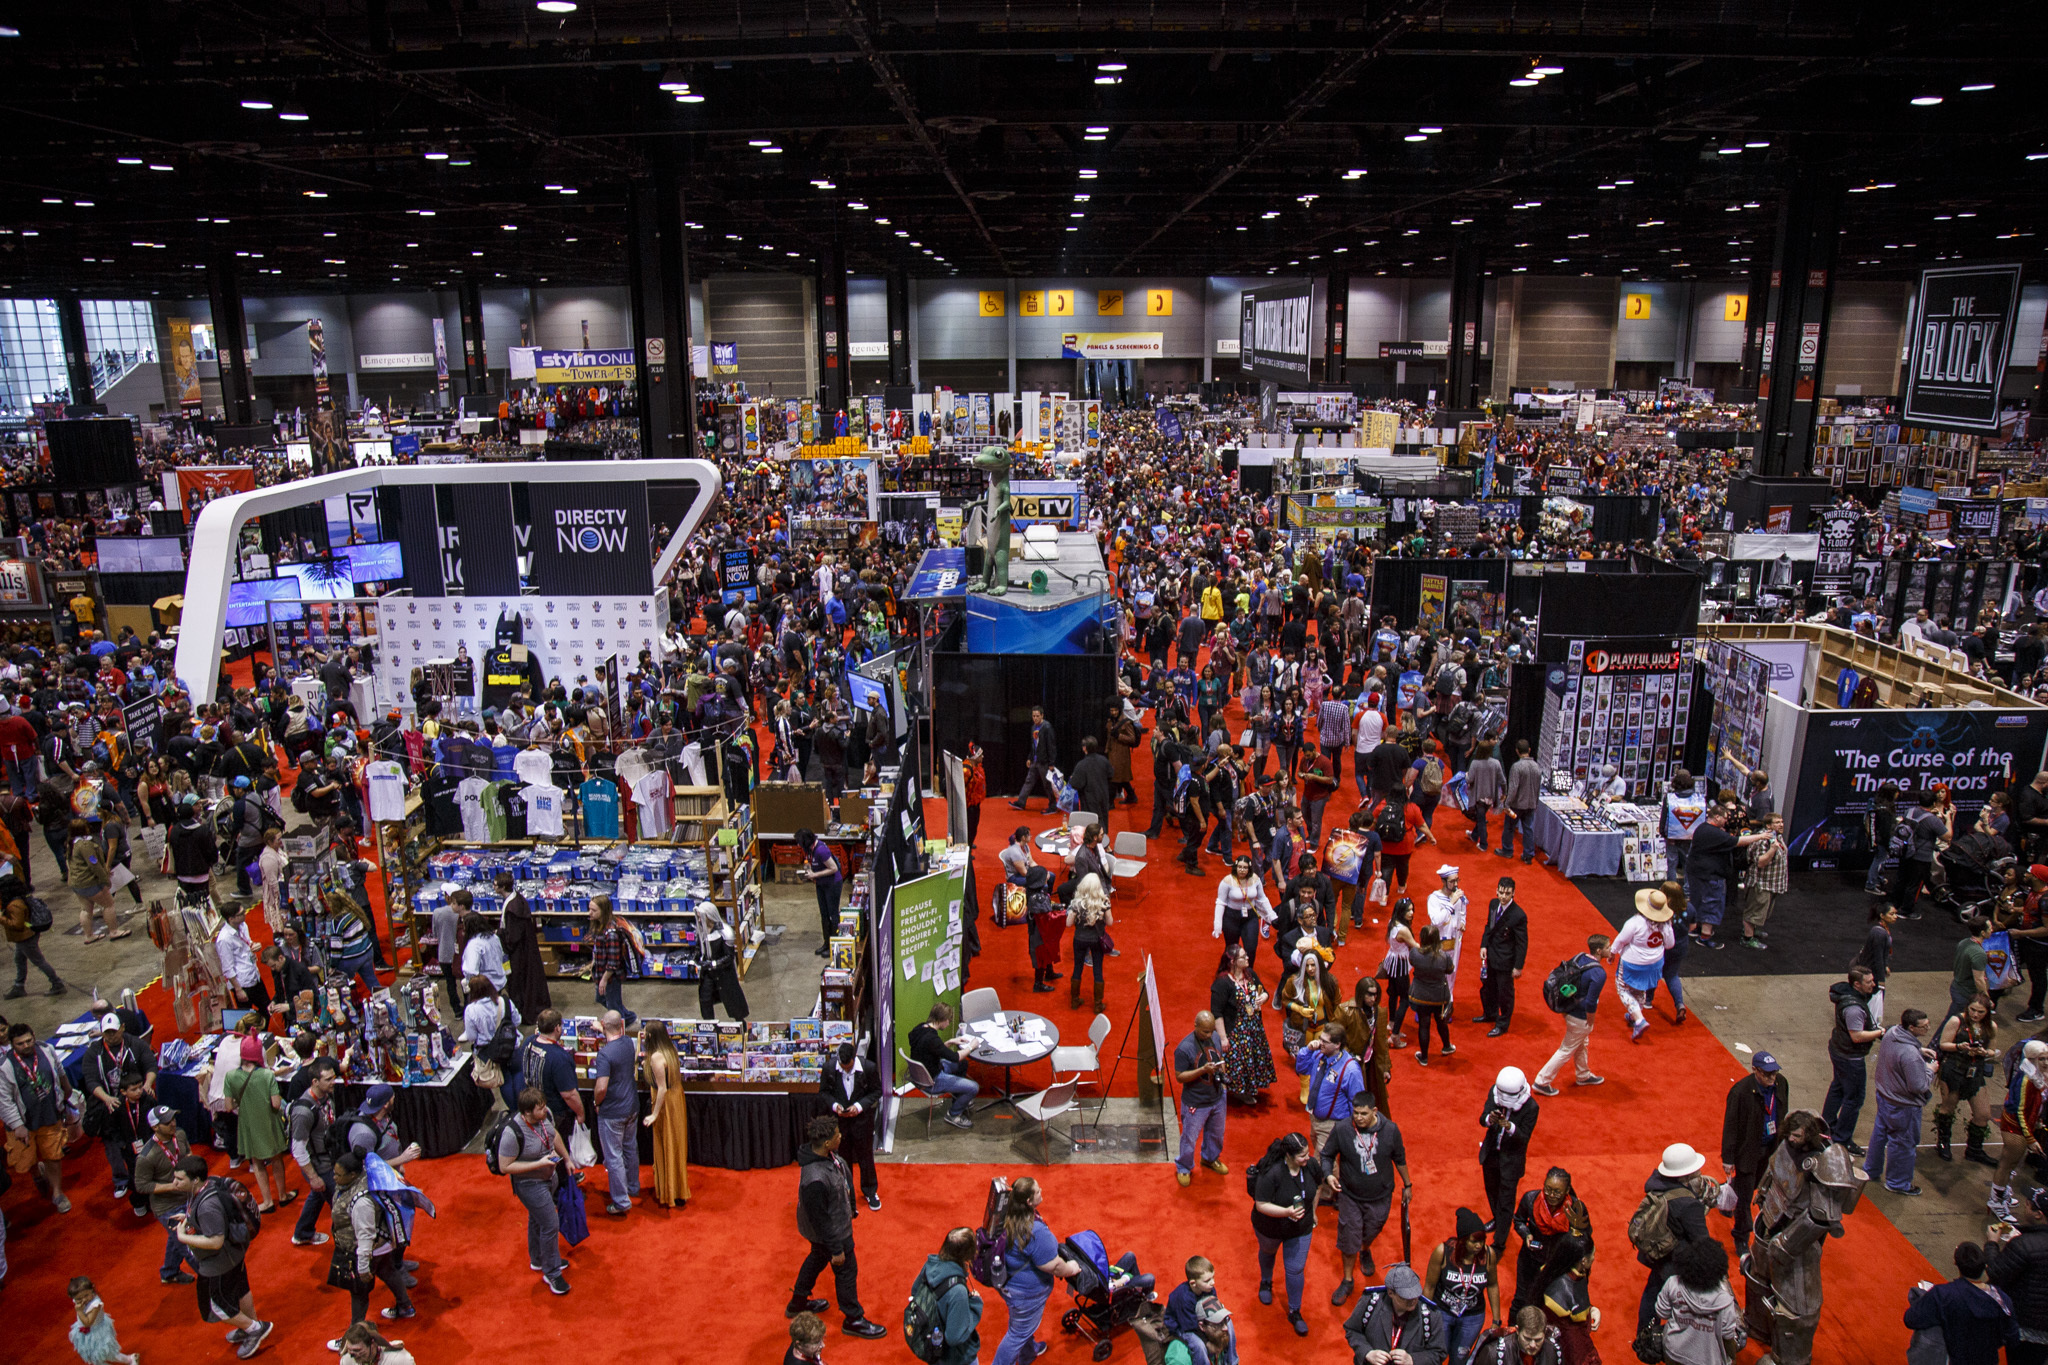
(440, 1116)
(736, 1131)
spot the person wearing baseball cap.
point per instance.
(155, 1164)
(1751, 1127)
(1396, 1314)
(1212, 1326)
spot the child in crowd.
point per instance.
(92, 1336)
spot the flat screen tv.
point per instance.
(247, 601)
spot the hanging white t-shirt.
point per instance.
(533, 765)
(543, 810)
(632, 766)
(693, 763)
(469, 797)
(386, 783)
(654, 798)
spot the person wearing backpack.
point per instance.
(368, 1246)
(21, 918)
(1431, 769)
(942, 1321)
(1586, 975)
(491, 1023)
(1673, 1212)
(217, 1228)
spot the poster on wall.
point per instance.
(1849, 756)
(1962, 340)
(1626, 705)
(1429, 613)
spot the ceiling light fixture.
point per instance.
(1429, 130)
(771, 151)
(292, 113)
(1756, 144)
(128, 161)
(1926, 101)
(1087, 174)
(1977, 88)
(1525, 82)
(1731, 151)
(1414, 137)
(1356, 173)
(555, 6)
(1111, 64)
(689, 97)
(261, 105)
(510, 227)
(759, 142)
(1541, 71)
(1109, 80)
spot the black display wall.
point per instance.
(1397, 583)
(987, 698)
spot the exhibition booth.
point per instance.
(1841, 715)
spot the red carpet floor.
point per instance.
(726, 1262)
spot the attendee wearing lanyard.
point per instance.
(1758, 1105)
(154, 1166)
(1333, 1078)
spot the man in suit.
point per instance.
(1040, 761)
(1751, 1129)
(1503, 946)
(855, 1091)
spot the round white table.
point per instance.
(1018, 1052)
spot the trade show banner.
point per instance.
(1849, 755)
(1958, 352)
(584, 367)
(1430, 614)
(736, 577)
(1056, 502)
(184, 362)
(591, 538)
(928, 916)
(1274, 333)
(192, 486)
(1112, 345)
(569, 637)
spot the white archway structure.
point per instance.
(218, 530)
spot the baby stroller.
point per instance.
(1106, 1297)
(1973, 869)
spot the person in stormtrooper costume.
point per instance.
(1808, 1188)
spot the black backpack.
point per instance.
(1391, 824)
(493, 1137)
(39, 917)
(238, 1207)
(503, 1047)
(338, 1131)
(1561, 989)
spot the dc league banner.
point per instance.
(1848, 756)
(1961, 341)
(591, 538)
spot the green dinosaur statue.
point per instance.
(996, 551)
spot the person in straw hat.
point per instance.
(1640, 946)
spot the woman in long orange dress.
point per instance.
(667, 1116)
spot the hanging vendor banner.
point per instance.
(725, 357)
(980, 418)
(807, 420)
(1626, 705)
(184, 362)
(736, 577)
(441, 351)
(1092, 416)
(1972, 751)
(877, 418)
(1837, 554)
(585, 367)
(1274, 333)
(1112, 345)
(198, 484)
(590, 538)
(316, 343)
(928, 916)
(750, 430)
(1046, 405)
(1962, 339)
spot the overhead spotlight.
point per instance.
(128, 161)
(1541, 71)
(1525, 82)
(292, 113)
(555, 6)
(771, 151)
(1415, 137)
(855, 204)
(1926, 101)
(675, 85)
(689, 97)
(1764, 143)
(1977, 88)
(1355, 173)
(441, 154)
(759, 142)
(1087, 174)
(510, 227)
(1731, 151)
(1429, 130)
(1097, 128)
(1109, 80)
(1111, 64)
(262, 105)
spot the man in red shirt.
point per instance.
(18, 748)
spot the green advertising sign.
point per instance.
(927, 915)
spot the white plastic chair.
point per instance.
(1046, 1105)
(979, 1004)
(1081, 819)
(1127, 853)
(1083, 1059)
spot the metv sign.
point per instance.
(591, 530)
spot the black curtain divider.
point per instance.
(1525, 708)
(987, 699)
(1588, 606)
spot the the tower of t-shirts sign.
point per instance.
(1961, 341)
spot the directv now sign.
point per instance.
(1273, 332)
(591, 538)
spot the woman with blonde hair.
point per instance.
(666, 1115)
(1089, 917)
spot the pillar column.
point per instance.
(77, 354)
(1468, 306)
(1754, 310)
(839, 359)
(899, 326)
(659, 278)
(476, 364)
(1336, 308)
(1795, 344)
(230, 338)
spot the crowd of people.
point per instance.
(1250, 675)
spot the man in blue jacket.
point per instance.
(1975, 1318)
(1578, 1020)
